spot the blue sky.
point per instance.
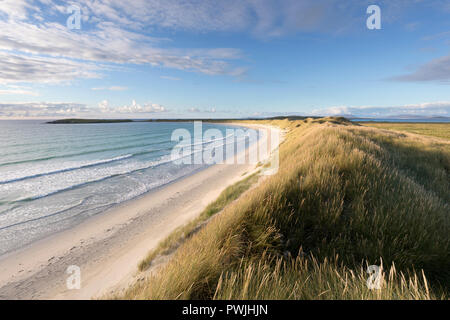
(192, 58)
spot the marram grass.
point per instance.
(303, 278)
(345, 197)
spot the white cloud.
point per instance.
(17, 90)
(67, 109)
(424, 110)
(137, 108)
(258, 17)
(115, 32)
(103, 106)
(41, 110)
(113, 36)
(16, 8)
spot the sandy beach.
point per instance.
(108, 247)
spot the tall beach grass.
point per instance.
(345, 197)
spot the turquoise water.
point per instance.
(54, 176)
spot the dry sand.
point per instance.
(108, 247)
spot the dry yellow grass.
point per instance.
(345, 197)
(439, 130)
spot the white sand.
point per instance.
(108, 247)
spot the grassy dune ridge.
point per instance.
(345, 197)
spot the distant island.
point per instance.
(81, 121)
(88, 121)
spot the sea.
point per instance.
(54, 176)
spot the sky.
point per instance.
(223, 58)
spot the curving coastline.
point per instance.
(108, 247)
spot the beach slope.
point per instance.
(108, 247)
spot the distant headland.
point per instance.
(81, 121)
(87, 121)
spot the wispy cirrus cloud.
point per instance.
(17, 90)
(257, 17)
(39, 69)
(435, 70)
(34, 38)
(170, 78)
(117, 32)
(37, 47)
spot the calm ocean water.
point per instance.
(54, 176)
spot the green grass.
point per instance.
(345, 196)
(174, 240)
(439, 130)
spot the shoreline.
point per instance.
(108, 247)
